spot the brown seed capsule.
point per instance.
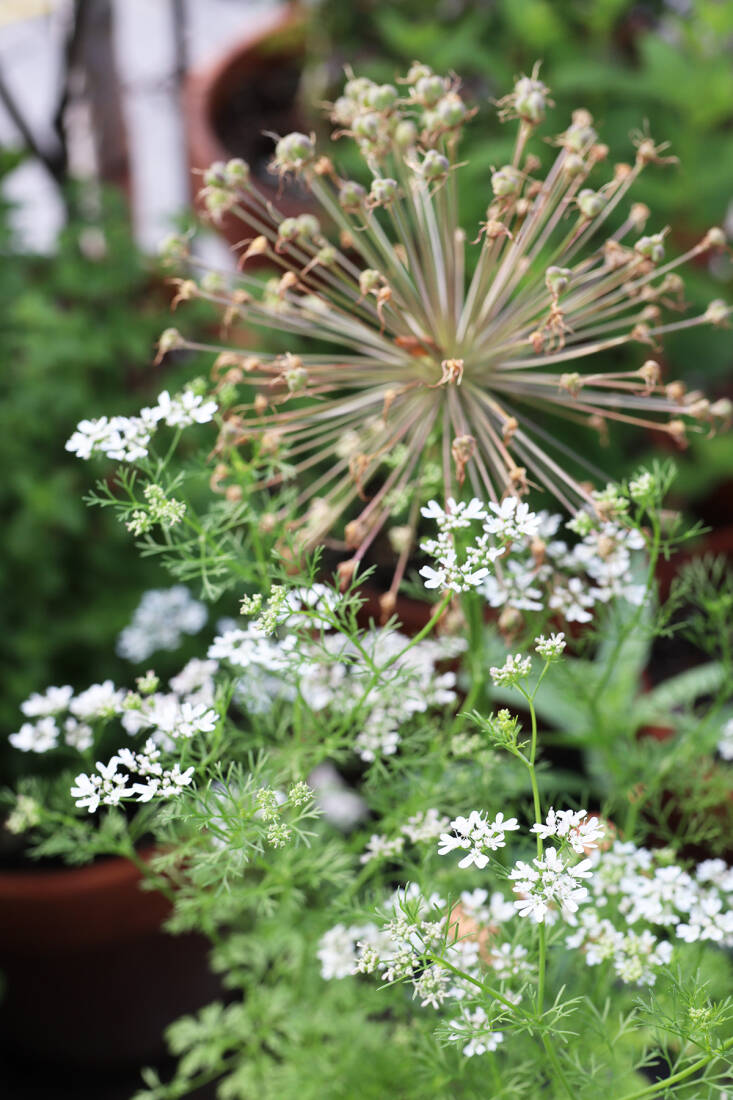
(675, 391)
(387, 603)
(651, 372)
(511, 424)
(639, 215)
(345, 571)
(677, 429)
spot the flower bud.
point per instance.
(326, 256)
(342, 111)
(169, 340)
(358, 88)
(400, 538)
(173, 248)
(212, 282)
(296, 377)
(506, 181)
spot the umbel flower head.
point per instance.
(423, 353)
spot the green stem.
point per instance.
(541, 929)
(661, 1086)
(493, 993)
(551, 1054)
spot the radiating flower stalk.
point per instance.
(443, 366)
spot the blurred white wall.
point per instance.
(31, 43)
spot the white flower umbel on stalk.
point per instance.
(477, 837)
(550, 883)
(406, 363)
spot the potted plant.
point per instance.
(418, 398)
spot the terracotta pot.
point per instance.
(229, 106)
(89, 976)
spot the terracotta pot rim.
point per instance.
(202, 85)
(48, 882)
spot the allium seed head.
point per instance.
(419, 366)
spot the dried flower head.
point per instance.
(420, 366)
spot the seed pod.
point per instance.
(293, 152)
(717, 312)
(237, 172)
(435, 166)
(506, 181)
(573, 165)
(383, 191)
(382, 97)
(405, 134)
(715, 238)
(451, 110)
(366, 126)
(369, 280)
(557, 280)
(652, 247)
(351, 196)
(590, 203)
(429, 89)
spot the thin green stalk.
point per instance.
(551, 1054)
(660, 1087)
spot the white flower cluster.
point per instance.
(62, 717)
(418, 829)
(160, 621)
(416, 927)
(477, 837)
(127, 438)
(581, 832)
(550, 883)
(517, 561)
(515, 668)
(725, 744)
(138, 776)
(634, 888)
(452, 572)
(332, 675)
